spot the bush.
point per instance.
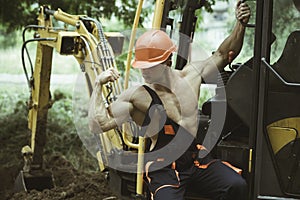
(61, 133)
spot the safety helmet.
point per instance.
(152, 48)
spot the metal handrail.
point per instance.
(278, 75)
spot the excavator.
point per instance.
(261, 124)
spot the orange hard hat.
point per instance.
(152, 48)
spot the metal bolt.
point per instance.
(77, 25)
(36, 35)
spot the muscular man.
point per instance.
(167, 105)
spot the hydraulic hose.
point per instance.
(23, 37)
(23, 60)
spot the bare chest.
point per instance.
(170, 103)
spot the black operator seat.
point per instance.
(283, 113)
(284, 99)
(239, 86)
(288, 65)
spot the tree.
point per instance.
(19, 13)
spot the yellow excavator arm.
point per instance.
(88, 43)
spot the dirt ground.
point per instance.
(69, 184)
(75, 172)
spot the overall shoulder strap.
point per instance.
(154, 96)
(155, 101)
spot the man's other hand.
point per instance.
(109, 75)
(242, 12)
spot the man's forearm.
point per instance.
(98, 112)
(233, 43)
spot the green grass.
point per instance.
(11, 61)
(61, 133)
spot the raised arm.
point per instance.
(100, 119)
(228, 49)
(232, 45)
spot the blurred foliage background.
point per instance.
(19, 13)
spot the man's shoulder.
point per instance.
(192, 69)
(133, 92)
